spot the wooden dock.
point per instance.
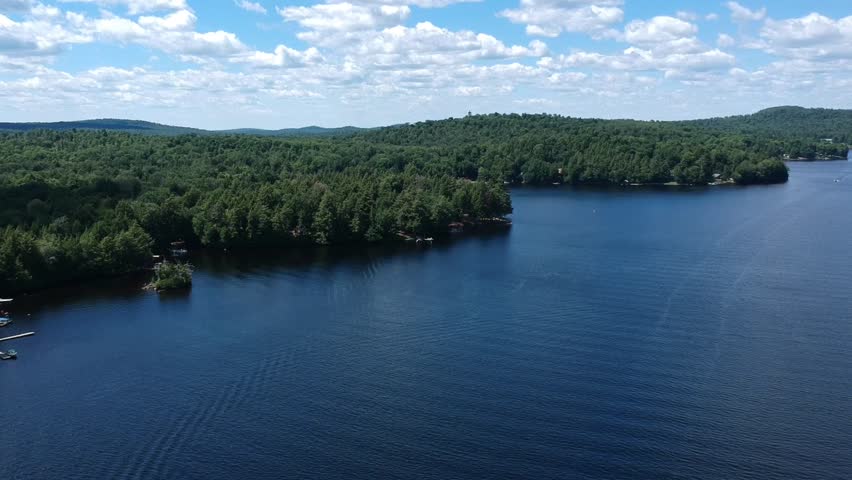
(15, 337)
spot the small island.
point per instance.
(171, 276)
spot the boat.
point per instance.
(8, 355)
(5, 300)
(5, 321)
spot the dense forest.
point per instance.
(77, 204)
(84, 204)
(541, 149)
(792, 124)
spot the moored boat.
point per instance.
(8, 355)
(5, 321)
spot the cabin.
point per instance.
(179, 248)
(155, 261)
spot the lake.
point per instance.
(700, 333)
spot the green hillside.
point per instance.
(150, 128)
(787, 122)
(96, 198)
(312, 131)
(541, 149)
(108, 124)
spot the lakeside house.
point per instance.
(178, 248)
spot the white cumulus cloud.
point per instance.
(424, 44)
(813, 37)
(251, 6)
(135, 7)
(740, 13)
(416, 3)
(282, 56)
(345, 17)
(659, 31)
(550, 18)
(39, 35)
(725, 41)
(380, 60)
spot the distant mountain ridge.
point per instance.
(778, 123)
(784, 121)
(151, 128)
(111, 124)
(311, 131)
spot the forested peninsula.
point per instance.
(90, 202)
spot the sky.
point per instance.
(287, 63)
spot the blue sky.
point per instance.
(275, 64)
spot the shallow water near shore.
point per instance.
(620, 333)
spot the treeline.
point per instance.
(791, 126)
(539, 149)
(149, 128)
(542, 149)
(78, 204)
(84, 204)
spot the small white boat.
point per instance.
(5, 300)
(5, 321)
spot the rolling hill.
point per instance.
(777, 122)
(150, 128)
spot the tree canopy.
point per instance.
(82, 203)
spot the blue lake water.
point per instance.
(647, 333)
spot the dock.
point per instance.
(15, 337)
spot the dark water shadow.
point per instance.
(121, 288)
(636, 189)
(175, 296)
(242, 262)
(219, 263)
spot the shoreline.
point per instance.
(142, 275)
(724, 183)
(810, 160)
